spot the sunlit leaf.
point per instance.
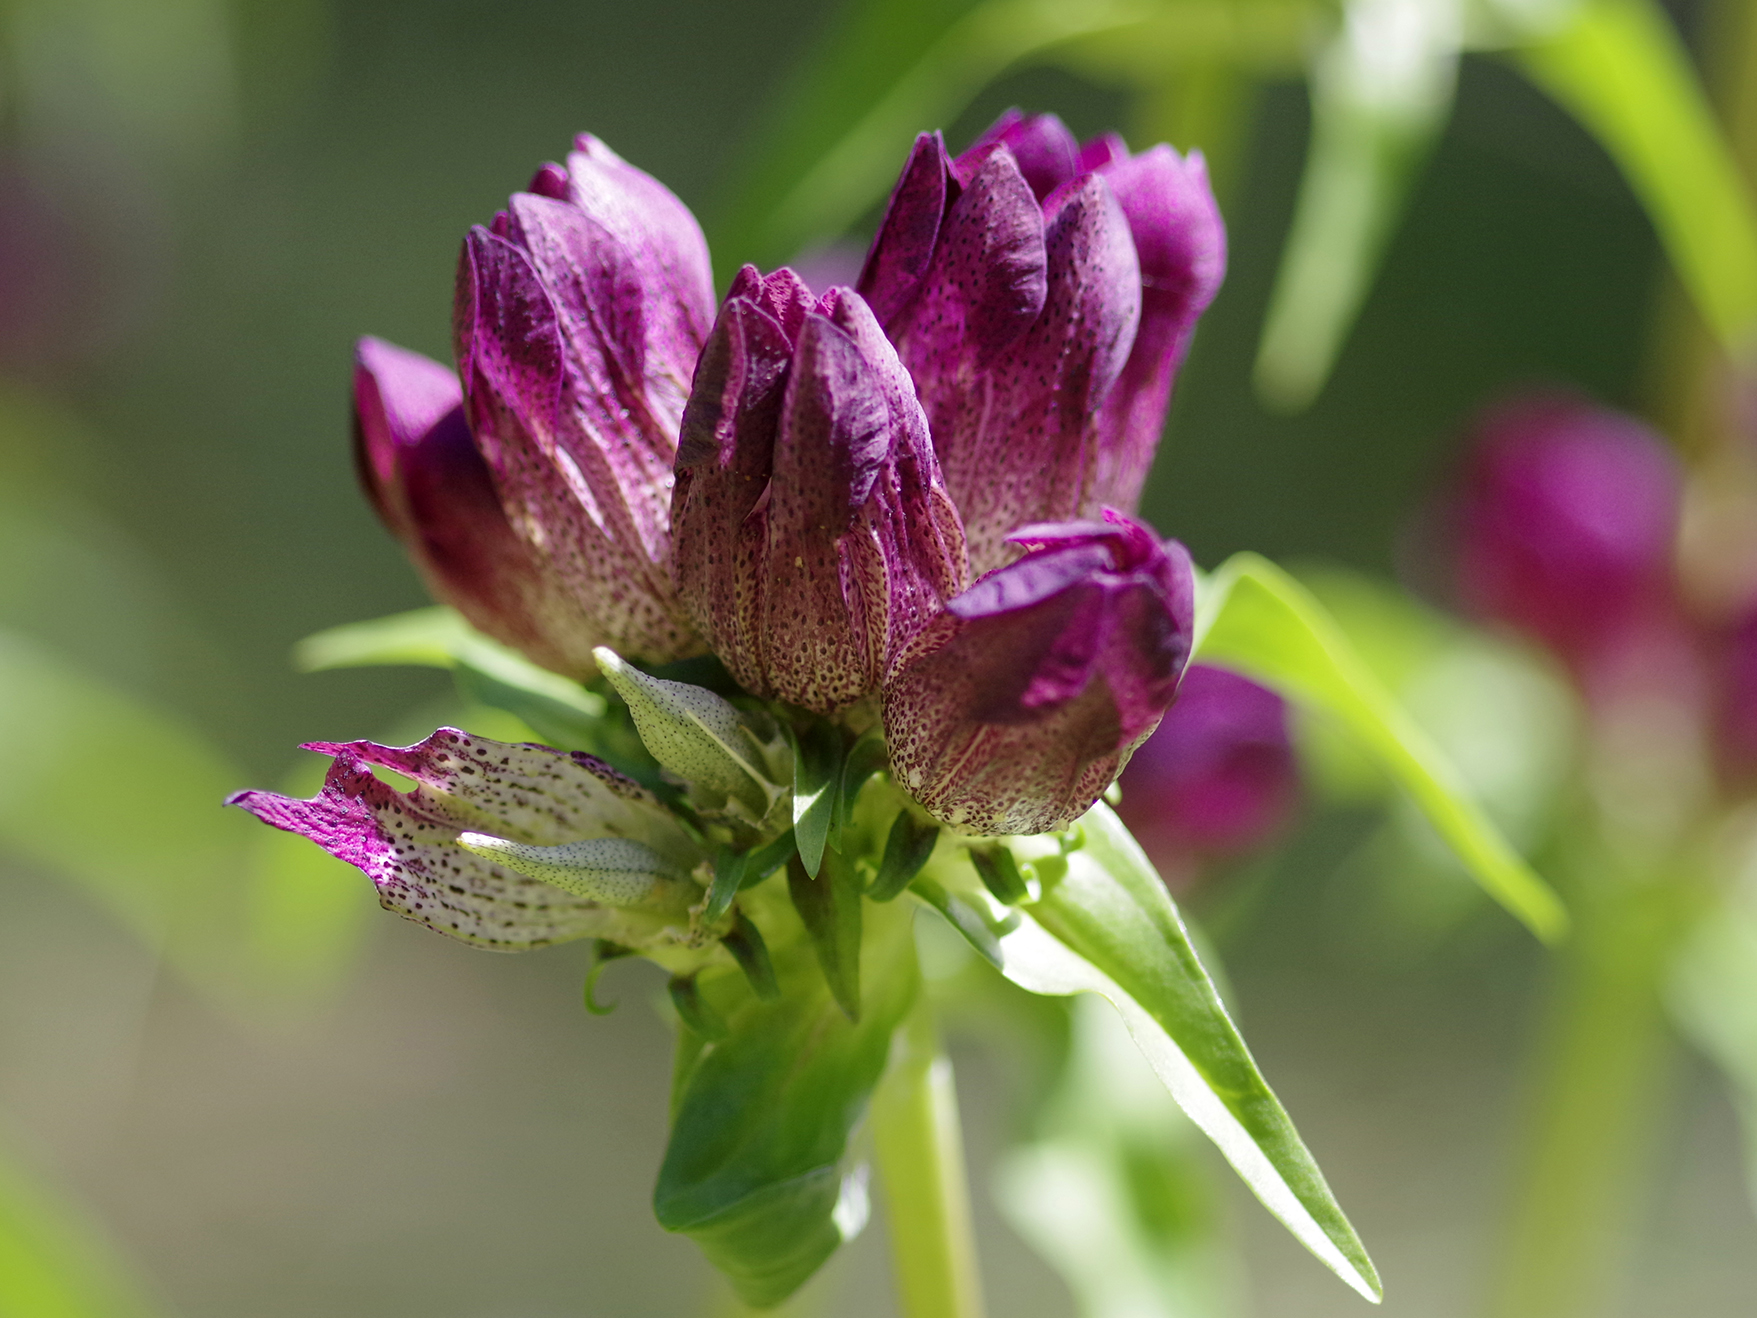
(1381, 90)
(1257, 619)
(54, 1263)
(757, 1170)
(817, 781)
(1110, 928)
(1619, 67)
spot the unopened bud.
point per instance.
(696, 734)
(610, 870)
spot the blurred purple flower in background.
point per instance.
(1218, 779)
(1565, 523)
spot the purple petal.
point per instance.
(1180, 241)
(813, 534)
(587, 497)
(1017, 442)
(1218, 778)
(1047, 153)
(1105, 150)
(909, 231)
(406, 844)
(1022, 702)
(422, 471)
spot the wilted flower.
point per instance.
(813, 535)
(1021, 703)
(580, 313)
(1565, 526)
(408, 843)
(1219, 778)
(1042, 295)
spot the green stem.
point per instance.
(920, 1156)
(1600, 1086)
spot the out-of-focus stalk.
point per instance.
(921, 1166)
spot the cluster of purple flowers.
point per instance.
(915, 493)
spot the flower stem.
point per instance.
(921, 1166)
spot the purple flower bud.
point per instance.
(1565, 524)
(813, 536)
(1217, 779)
(1022, 701)
(580, 314)
(1042, 296)
(423, 474)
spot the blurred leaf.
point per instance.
(1619, 67)
(54, 1263)
(1110, 928)
(755, 1168)
(1111, 1189)
(1257, 619)
(829, 903)
(1381, 90)
(889, 71)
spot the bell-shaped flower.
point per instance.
(504, 846)
(580, 313)
(1217, 779)
(1564, 527)
(1042, 295)
(813, 536)
(1020, 704)
(429, 484)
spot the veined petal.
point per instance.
(591, 513)
(1017, 708)
(413, 859)
(908, 233)
(421, 468)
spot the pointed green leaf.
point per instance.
(1257, 619)
(746, 944)
(1381, 90)
(907, 847)
(976, 928)
(817, 778)
(1620, 68)
(865, 758)
(686, 996)
(1000, 873)
(830, 906)
(756, 1171)
(1110, 928)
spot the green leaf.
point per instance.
(1619, 67)
(56, 1264)
(755, 1171)
(603, 953)
(692, 1011)
(865, 758)
(1000, 873)
(1381, 90)
(829, 904)
(1110, 928)
(907, 847)
(746, 944)
(1257, 619)
(817, 779)
(976, 928)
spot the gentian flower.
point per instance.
(1019, 705)
(1042, 295)
(1218, 779)
(580, 313)
(1565, 525)
(814, 537)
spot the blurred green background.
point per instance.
(202, 204)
